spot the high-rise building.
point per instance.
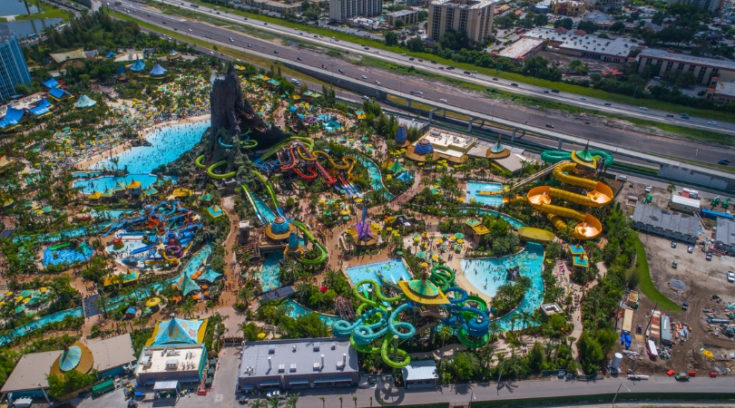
(473, 17)
(341, 10)
(13, 68)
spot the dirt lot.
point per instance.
(703, 279)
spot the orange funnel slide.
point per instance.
(589, 226)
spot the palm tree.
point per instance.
(292, 399)
(354, 399)
(494, 329)
(245, 295)
(323, 401)
(188, 307)
(258, 403)
(273, 402)
(340, 401)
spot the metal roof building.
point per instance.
(420, 374)
(725, 235)
(653, 220)
(297, 363)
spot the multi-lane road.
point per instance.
(480, 79)
(610, 131)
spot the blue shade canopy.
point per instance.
(177, 331)
(70, 358)
(51, 83)
(138, 66)
(85, 102)
(158, 70)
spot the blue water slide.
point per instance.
(458, 291)
(142, 249)
(225, 145)
(403, 330)
(364, 333)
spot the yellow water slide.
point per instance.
(598, 195)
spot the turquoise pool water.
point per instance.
(269, 272)
(376, 179)
(67, 256)
(474, 197)
(110, 214)
(487, 274)
(392, 271)
(166, 145)
(512, 221)
(195, 262)
(215, 211)
(58, 236)
(296, 310)
(42, 322)
(263, 209)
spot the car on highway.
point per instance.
(366, 48)
(555, 90)
(546, 91)
(410, 58)
(295, 81)
(731, 276)
(245, 19)
(495, 79)
(712, 123)
(363, 76)
(298, 58)
(275, 51)
(682, 376)
(232, 40)
(513, 84)
(724, 162)
(549, 125)
(442, 100)
(643, 108)
(669, 115)
(608, 104)
(341, 71)
(583, 99)
(685, 116)
(377, 82)
(467, 72)
(250, 45)
(365, 97)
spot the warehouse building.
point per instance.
(420, 374)
(725, 236)
(684, 204)
(706, 70)
(676, 226)
(297, 363)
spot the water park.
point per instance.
(224, 192)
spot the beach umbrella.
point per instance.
(435, 257)
(261, 335)
(459, 235)
(439, 240)
(424, 265)
(421, 254)
(153, 302)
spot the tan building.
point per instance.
(567, 7)
(473, 17)
(406, 17)
(723, 92)
(704, 69)
(275, 6)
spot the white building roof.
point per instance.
(725, 88)
(157, 359)
(278, 358)
(685, 201)
(31, 372)
(521, 48)
(619, 46)
(688, 59)
(466, 4)
(420, 371)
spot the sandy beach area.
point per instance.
(88, 162)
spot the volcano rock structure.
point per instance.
(233, 120)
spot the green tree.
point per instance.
(415, 44)
(564, 22)
(391, 38)
(536, 358)
(590, 353)
(68, 382)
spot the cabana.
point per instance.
(158, 71)
(138, 66)
(85, 102)
(43, 107)
(58, 93)
(11, 119)
(51, 83)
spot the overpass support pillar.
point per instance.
(558, 146)
(431, 114)
(469, 125)
(513, 135)
(409, 103)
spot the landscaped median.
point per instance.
(646, 285)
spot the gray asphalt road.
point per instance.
(484, 80)
(439, 91)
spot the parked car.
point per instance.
(648, 189)
(724, 162)
(709, 256)
(685, 305)
(731, 276)
(682, 376)
(673, 244)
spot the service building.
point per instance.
(676, 226)
(725, 236)
(704, 69)
(297, 363)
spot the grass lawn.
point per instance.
(580, 90)
(46, 11)
(645, 284)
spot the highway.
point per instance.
(483, 80)
(610, 132)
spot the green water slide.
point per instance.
(322, 251)
(555, 156)
(305, 140)
(198, 162)
(476, 302)
(268, 188)
(442, 276)
(59, 246)
(472, 342)
(387, 348)
(249, 195)
(212, 174)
